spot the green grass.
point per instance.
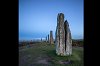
(40, 51)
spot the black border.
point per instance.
(10, 33)
(91, 53)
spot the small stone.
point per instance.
(51, 38)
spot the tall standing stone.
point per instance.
(63, 40)
(51, 38)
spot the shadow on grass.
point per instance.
(64, 60)
(56, 59)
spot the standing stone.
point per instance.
(63, 40)
(41, 39)
(48, 38)
(30, 43)
(51, 38)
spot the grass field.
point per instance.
(44, 54)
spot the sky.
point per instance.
(38, 17)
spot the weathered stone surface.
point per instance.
(63, 40)
(51, 38)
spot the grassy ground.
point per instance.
(43, 54)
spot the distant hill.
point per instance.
(78, 39)
(77, 42)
